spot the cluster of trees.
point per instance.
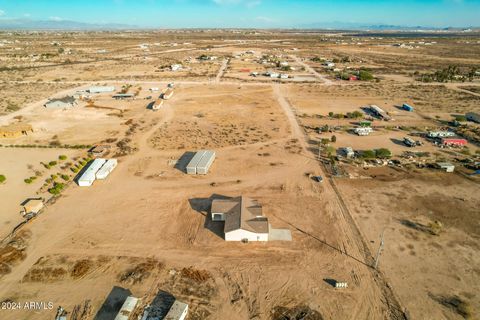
(447, 74)
(382, 153)
(57, 188)
(350, 115)
(78, 166)
(344, 59)
(362, 75)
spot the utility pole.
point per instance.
(380, 249)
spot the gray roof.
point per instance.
(241, 213)
(66, 99)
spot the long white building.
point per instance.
(100, 89)
(106, 169)
(201, 162)
(98, 169)
(88, 176)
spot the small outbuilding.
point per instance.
(447, 166)
(32, 206)
(407, 107)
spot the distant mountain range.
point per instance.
(52, 24)
(378, 27)
(29, 24)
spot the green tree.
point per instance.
(368, 154)
(383, 153)
(364, 75)
(2, 178)
(334, 139)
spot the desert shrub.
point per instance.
(65, 177)
(62, 157)
(2, 178)
(52, 163)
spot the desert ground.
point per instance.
(146, 228)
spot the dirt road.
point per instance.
(221, 71)
(326, 81)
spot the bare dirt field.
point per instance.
(146, 228)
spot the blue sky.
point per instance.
(247, 13)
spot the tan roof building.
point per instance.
(33, 206)
(15, 130)
(243, 218)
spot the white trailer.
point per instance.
(100, 89)
(206, 162)
(192, 165)
(106, 169)
(178, 311)
(88, 177)
(363, 131)
(127, 308)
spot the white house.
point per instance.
(243, 219)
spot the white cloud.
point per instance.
(2, 13)
(27, 15)
(55, 19)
